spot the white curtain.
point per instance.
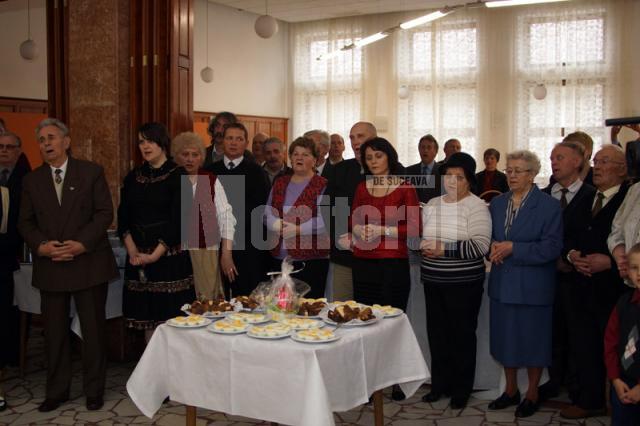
(471, 75)
(439, 65)
(570, 51)
(327, 93)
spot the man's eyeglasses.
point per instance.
(8, 147)
(516, 171)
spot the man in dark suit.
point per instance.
(582, 138)
(214, 151)
(343, 180)
(247, 188)
(64, 215)
(11, 176)
(430, 186)
(567, 162)
(451, 146)
(595, 283)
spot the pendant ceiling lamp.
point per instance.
(28, 48)
(206, 74)
(266, 25)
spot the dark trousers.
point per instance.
(586, 318)
(452, 319)
(624, 414)
(561, 371)
(381, 281)
(10, 320)
(314, 272)
(90, 304)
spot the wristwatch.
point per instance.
(569, 257)
(387, 231)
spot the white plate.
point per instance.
(213, 330)
(352, 323)
(255, 336)
(172, 323)
(310, 316)
(295, 337)
(396, 313)
(208, 314)
(266, 318)
(316, 323)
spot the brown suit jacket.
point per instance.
(85, 215)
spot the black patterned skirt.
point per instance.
(156, 293)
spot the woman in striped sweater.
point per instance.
(456, 235)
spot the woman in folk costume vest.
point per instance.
(207, 218)
(294, 218)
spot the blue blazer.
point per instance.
(528, 276)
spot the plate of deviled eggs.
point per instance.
(314, 335)
(191, 321)
(269, 331)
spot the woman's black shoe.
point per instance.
(3, 403)
(458, 402)
(432, 396)
(527, 408)
(397, 394)
(505, 401)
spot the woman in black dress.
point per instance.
(158, 275)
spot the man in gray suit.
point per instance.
(65, 211)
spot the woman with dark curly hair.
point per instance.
(158, 275)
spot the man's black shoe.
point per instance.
(94, 404)
(51, 404)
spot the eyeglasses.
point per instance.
(516, 171)
(8, 147)
(605, 161)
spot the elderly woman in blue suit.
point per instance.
(527, 240)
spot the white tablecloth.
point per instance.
(27, 297)
(280, 381)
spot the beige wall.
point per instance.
(250, 73)
(20, 78)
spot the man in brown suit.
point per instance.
(64, 215)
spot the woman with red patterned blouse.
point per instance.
(294, 220)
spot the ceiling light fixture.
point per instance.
(424, 19)
(28, 48)
(505, 3)
(207, 72)
(371, 39)
(266, 25)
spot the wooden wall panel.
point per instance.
(34, 106)
(272, 126)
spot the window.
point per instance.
(567, 54)
(439, 64)
(327, 94)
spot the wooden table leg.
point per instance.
(191, 415)
(378, 409)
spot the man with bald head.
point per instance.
(343, 180)
(595, 283)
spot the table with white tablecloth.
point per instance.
(27, 298)
(281, 381)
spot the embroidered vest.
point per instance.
(305, 208)
(203, 229)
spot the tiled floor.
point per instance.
(24, 395)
